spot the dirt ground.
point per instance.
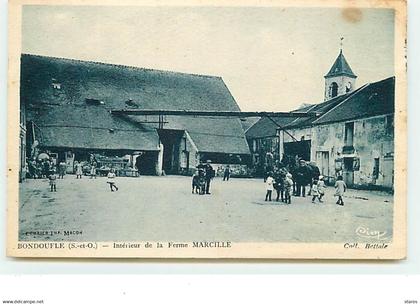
(162, 208)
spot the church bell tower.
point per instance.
(340, 79)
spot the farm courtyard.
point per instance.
(150, 208)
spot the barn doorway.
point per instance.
(302, 149)
(146, 163)
(171, 141)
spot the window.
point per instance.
(268, 144)
(334, 89)
(56, 87)
(255, 145)
(348, 134)
(276, 144)
(348, 87)
(184, 143)
(375, 173)
(55, 84)
(184, 161)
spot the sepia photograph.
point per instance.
(275, 130)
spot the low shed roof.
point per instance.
(90, 127)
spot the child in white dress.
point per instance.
(321, 188)
(111, 180)
(340, 188)
(314, 190)
(288, 188)
(269, 186)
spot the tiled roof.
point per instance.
(369, 100)
(248, 122)
(119, 87)
(267, 128)
(90, 127)
(340, 67)
(320, 108)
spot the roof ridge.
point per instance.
(307, 111)
(120, 65)
(343, 101)
(382, 80)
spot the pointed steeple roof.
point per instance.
(340, 67)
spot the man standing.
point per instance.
(209, 175)
(226, 175)
(303, 175)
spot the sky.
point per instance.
(271, 58)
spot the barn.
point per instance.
(69, 104)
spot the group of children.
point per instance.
(283, 184)
(318, 189)
(110, 179)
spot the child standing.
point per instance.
(314, 190)
(269, 186)
(79, 170)
(340, 188)
(111, 180)
(288, 188)
(53, 181)
(321, 188)
(61, 169)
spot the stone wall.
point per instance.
(373, 143)
(193, 159)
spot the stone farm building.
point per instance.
(68, 107)
(353, 135)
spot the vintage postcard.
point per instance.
(207, 129)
